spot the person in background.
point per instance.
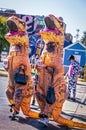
(34, 72)
(32, 61)
(35, 79)
(72, 75)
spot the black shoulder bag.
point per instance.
(20, 78)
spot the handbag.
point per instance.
(20, 78)
(50, 96)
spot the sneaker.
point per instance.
(44, 122)
(69, 97)
(73, 99)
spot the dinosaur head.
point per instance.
(54, 31)
(49, 23)
(16, 25)
(54, 24)
(17, 31)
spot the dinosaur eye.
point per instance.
(23, 23)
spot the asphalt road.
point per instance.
(22, 123)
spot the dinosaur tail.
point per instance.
(69, 123)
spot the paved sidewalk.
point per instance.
(77, 110)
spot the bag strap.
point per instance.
(52, 77)
(19, 69)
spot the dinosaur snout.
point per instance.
(12, 26)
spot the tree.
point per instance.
(83, 39)
(3, 31)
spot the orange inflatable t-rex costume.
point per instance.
(19, 95)
(53, 37)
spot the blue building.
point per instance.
(67, 43)
(78, 50)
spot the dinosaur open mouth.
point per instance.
(50, 47)
(12, 26)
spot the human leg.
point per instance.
(69, 89)
(74, 92)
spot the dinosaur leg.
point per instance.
(41, 100)
(41, 105)
(18, 97)
(41, 90)
(61, 120)
(25, 106)
(10, 94)
(20, 100)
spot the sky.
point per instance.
(72, 11)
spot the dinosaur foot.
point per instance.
(13, 117)
(12, 107)
(14, 112)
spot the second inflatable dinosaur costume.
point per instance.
(19, 95)
(52, 66)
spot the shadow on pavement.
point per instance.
(78, 101)
(35, 123)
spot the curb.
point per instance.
(81, 80)
(3, 73)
